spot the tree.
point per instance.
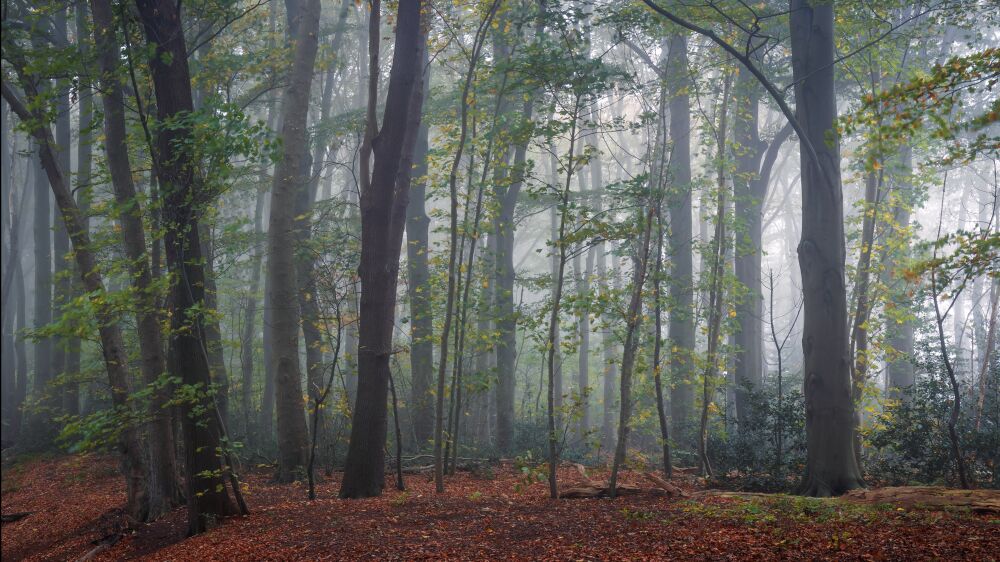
(681, 327)
(182, 196)
(831, 467)
(292, 174)
(384, 198)
(754, 161)
(164, 490)
(129, 443)
(418, 286)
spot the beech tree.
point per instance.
(385, 195)
(291, 176)
(205, 489)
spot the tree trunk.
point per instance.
(419, 288)
(213, 331)
(290, 177)
(249, 333)
(681, 329)
(38, 429)
(831, 468)
(182, 198)
(10, 225)
(899, 335)
(63, 280)
(750, 190)
(609, 429)
(633, 316)
(506, 320)
(384, 199)
(583, 356)
(716, 292)
(164, 489)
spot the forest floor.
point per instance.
(75, 500)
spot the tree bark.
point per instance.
(164, 489)
(831, 468)
(419, 287)
(899, 367)
(182, 198)
(681, 328)
(290, 177)
(384, 199)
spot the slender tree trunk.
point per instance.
(750, 189)
(63, 279)
(609, 429)
(831, 468)
(583, 323)
(419, 287)
(859, 334)
(668, 468)
(266, 426)
(633, 317)
(38, 429)
(213, 331)
(249, 334)
(716, 292)
(20, 350)
(10, 224)
(985, 355)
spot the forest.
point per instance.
(500, 279)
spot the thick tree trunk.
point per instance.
(681, 328)
(831, 468)
(384, 199)
(164, 489)
(182, 198)
(291, 176)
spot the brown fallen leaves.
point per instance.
(481, 519)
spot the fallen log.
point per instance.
(929, 497)
(593, 490)
(668, 488)
(11, 517)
